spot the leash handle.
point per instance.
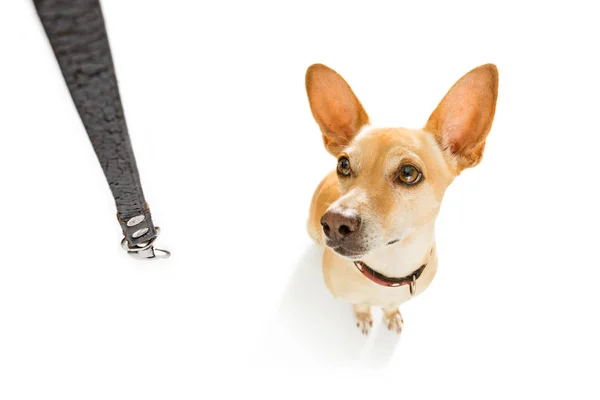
(77, 34)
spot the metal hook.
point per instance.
(145, 250)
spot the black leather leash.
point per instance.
(78, 37)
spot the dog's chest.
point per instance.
(346, 282)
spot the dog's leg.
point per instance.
(393, 319)
(364, 319)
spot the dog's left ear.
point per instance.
(463, 119)
(334, 106)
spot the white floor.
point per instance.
(229, 157)
(312, 326)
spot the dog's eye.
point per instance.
(343, 167)
(408, 174)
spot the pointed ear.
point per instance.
(334, 106)
(463, 119)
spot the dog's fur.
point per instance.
(453, 139)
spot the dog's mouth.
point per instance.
(348, 253)
(353, 254)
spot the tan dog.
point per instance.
(375, 214)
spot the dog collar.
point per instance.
(379, 278)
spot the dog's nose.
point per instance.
(338, 226)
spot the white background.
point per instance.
(230, 156)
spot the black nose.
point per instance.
(338, 226)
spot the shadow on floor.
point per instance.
(311, 325)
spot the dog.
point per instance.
(375, 213)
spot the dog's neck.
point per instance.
(404, 257)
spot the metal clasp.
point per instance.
(413, 285)
(145, 250)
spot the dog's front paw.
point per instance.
(364, 318)
(393, 319)
(364, 322)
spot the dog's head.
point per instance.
(392, 180)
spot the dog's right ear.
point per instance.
(463, 119)
(334, 106)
